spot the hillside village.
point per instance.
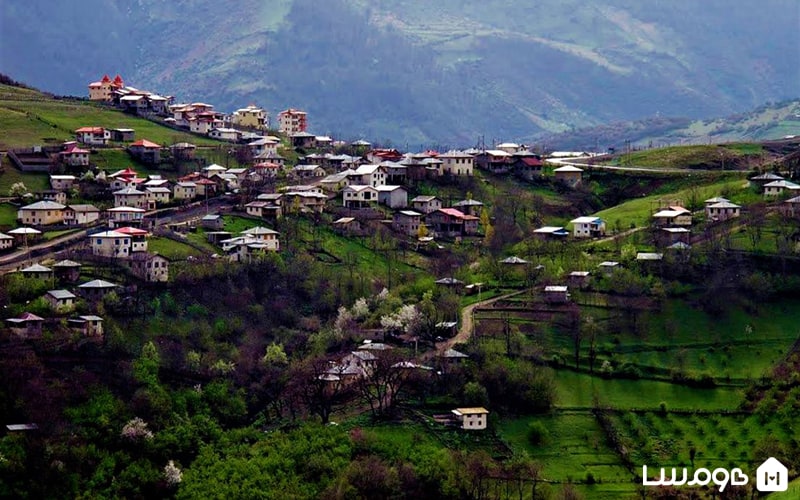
(93, 243)
(360, 188)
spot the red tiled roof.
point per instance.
(105, 79)
(90, 130)
(452, 212)
(145, 143)
(73, 149)
(132, 231)
(532, 162)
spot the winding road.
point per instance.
(467, 326)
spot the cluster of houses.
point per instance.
(63, 301)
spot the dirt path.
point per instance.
(467, 326)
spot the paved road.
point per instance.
(467, 328)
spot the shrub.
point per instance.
(590, 478)
(537, 433)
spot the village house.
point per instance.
(368, 175)
(74, 156)
(323, 142)
(250, 246)
(184, 190)
(183, 151)
(451, 223)
(775, 189)
(303, 140)
(62, 182)
(145, 151)
(263, 146)
(204, 122)
(588, 227)
(556, 294)
(130, 197)
(251, 117)
(208, 187)
(6, 241)
(41, 213)
(791, 207)
(37, 272)
(569, 175)
(258, 208)
(123, 134)
(550, 233)
(396, 173)
(310, 201)
(359, 196)
(81, 215)
(673, 216)
(102, 90)
(125, 216)
(88, 325)
(135, 103)
(667, 236)
(150, 267)
(93, 136)
(60, 300)
(336, 182)
(765, 178)
(494, 161)
(268, 157)
(407, 222)
(457, 163)
(472, 419)
(608, 267)
(307, 172)
(292, 121)
(392, 196)
(67, 270)
(722, 210)
(578, 279)
(157, 196)
(348, 226)
(110, 244)
(225, 134)
(26, 326)
(426, 204)
(469, 207)
(527, 165)
(52, 195)
(96, 290)
(138, 238)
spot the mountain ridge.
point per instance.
(421, 73)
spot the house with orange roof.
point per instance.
(103, 90)
(93, 136)
(145, 151)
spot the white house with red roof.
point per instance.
(94, 136)
(292, 121)
(74, 156)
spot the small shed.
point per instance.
(61, 300)
(556, 294)
(97, 289)
(214, 222)
(473, 419)
(88, 326)
(27, 326)
(38, 271)
(67, 270)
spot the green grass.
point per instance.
(574, 446)
(10, 176)
(639, 211)
(33, 118)
(8, 215)
(711, 156)
(580, 390)
(236, 225)
(792, 493)
(173, 250)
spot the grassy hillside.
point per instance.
(770, 121)
(734, 156)
(28, 117)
